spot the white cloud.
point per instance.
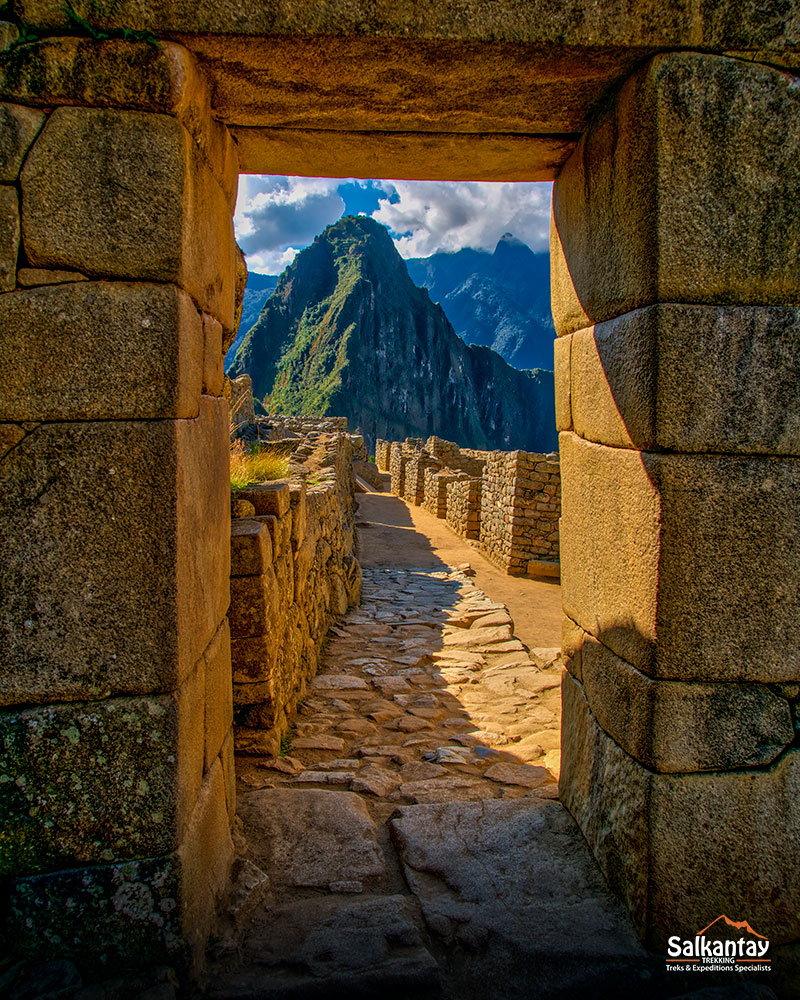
(432, 216)
(276, 217)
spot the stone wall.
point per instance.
(293, 572)
(463, 506)
(435, 489)
(281, 425)
(117, 267)
(453, 457)
(512, 506)
(383, 455)
(679, 452)
(418, 462)
(520, 510)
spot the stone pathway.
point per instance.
(408, 843)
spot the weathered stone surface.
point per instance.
(641, 211)
(124, 194)
(109, 350)
(254, 605)
(487, 873)
(673, 726)
(31, 277)
(88, 510)
(338, 682)
(213, 374)
(10, 437)
(143, 912)
(321, 741)
(205, 859)
(251, 547)
(613, 387)
(88, 783)
(267, 498)
(690, 378)
(562, 360)
(253, 657)
(527, 775)
(121, 915)
(9, 237)
(344, 845)
(333, 947)
(651, 833)
(676, 604)
(219, 694)
(468, 638)
(18, 128)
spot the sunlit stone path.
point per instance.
(408, 842)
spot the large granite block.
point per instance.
(118, 917)
(100, 351)
(92, 782)
(684, 565)
(682, 848)
(124, 194)
(116, 555)
(667, 198)
(690, 378)
(675, 726)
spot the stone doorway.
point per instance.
(675, 241)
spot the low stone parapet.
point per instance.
(293, 572)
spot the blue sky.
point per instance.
(277, 216)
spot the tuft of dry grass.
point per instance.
(255, 466)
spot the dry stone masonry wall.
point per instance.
(510, 501)
(520, 510)
(293, 572)
(117, 264)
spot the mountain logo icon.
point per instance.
(739, 925)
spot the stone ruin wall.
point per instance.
(463, 506)
(115, 507)
(293, 572)
(510, 502)
(520, 510)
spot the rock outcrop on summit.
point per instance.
(347, 332)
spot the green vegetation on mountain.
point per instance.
(346, 332)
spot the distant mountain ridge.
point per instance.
(500, 300)
(258, 289)
(347, 332)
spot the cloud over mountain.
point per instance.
(277, 216)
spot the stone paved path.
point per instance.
(409, 843)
